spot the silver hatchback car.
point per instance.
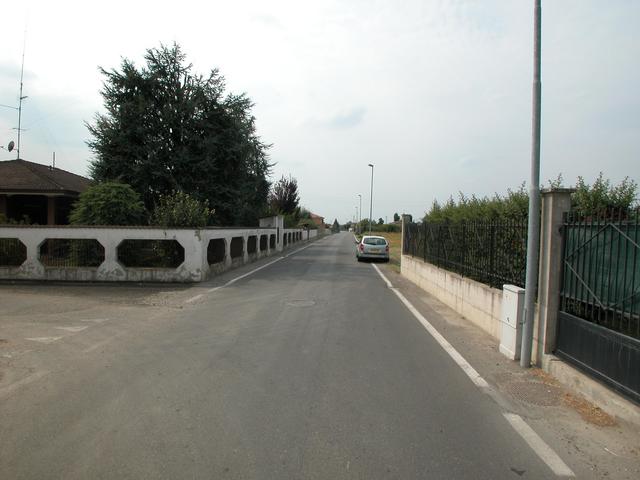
(372, 247)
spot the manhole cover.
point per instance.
(535, 393)
(301, 303)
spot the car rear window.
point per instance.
(374, 241)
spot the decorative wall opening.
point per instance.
(252, 244)
(263, 243)
(13, 252)
(237, 247)
(216, 251)
(150, 253)
(71, 252)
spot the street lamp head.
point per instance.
(371, 165)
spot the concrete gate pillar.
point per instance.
(555, 202)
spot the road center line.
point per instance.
(546, 454)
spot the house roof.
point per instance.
(313, 215)
(28, 177)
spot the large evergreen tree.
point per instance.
(168, 129)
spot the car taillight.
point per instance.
(361, 247)
(386, 249)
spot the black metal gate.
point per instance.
(599, 318)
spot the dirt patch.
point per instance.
(543, 376)
(3, 341)
(588, 411)
(535, 393)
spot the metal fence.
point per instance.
(493, 253)
(601, 277)
(599, 317)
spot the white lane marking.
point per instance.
(453, 353)
(193, 299)
(73, 329)
(6, 391)
(44, 339)
(94, 320)
(102, 343)
(298, 250)
(546, 454)
(240, 277)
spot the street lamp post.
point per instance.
(360, 216)
(533, 229)
(371, 199)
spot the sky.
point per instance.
(436, 94)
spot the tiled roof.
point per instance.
(24, 176)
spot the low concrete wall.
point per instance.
(194, 268)
(478, 303)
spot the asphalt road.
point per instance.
(309, 368)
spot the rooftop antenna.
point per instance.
(21, 98)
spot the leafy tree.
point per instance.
(181, 210)
(108, 203)
(335, 227)
(380, 221)
(284, 197)
(169, 129)
(307, 223)
(396, 217)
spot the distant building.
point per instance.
(41, 193)
(319, 221)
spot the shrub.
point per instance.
(587, 200)
(590, 199)
(25, 220)
(108, 203)
(179, 209)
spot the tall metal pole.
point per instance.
(533, 241)
(360, 216)
(371, 199)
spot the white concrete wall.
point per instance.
(478, 303)
(195, 267)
